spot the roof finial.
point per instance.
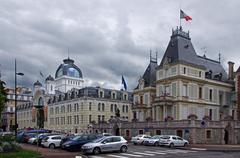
(68, 53)
(219, 57)
(150, 55)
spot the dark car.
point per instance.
(27, 136)
(67, 138)
(77, 142)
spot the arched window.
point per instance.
(115, 107)
(99, 106)
(123, 108)
(103, 107)
(111, 108)
(126, 108)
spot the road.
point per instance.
(137, 152)
(163, 152)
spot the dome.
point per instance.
(37, 84)
(68, 68)
(49, 78)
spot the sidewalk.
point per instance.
(52, 153)
(208, 147)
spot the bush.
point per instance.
(7, 147)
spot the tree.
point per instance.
(3, 96)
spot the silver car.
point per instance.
(155, 140)
(106, 144)
(172, 141)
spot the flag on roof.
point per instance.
(124, 83)
(184, 16)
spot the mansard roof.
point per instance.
(181, 50)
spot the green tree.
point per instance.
(3, 96)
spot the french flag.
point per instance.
(185, 16)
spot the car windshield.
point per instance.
(155, 137)
(98, 140)
(139, 135)
(80, 137)
(165, 137)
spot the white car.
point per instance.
(139, 139)
(52, 141)
(172, 141)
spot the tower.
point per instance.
(50, 85)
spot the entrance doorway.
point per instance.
(226, 136)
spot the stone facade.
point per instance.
(195, 131)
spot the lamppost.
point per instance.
(20, 74)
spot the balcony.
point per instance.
(164, 100)
(139, 105)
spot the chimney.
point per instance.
(230, 70)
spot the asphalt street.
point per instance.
(164, 152)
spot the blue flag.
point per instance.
(124, 83)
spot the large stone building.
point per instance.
(184, 84)
(65, 105)
(24, 95)
(187, 95)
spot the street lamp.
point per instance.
(20, 74)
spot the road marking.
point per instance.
(78, 156)
(201, 149)
(96, 157)
(155, 152)
(117, 156)
(131, 155)
(146, 154)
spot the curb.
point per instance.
(208, 149)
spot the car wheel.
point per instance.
(123, 149)
(185, 144)
(135, 143)
(96, 151)
(156, 144)
(51, 146)
(171, 145)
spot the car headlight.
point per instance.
(87, 147)
(67, 145)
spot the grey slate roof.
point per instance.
(180, 49)
(149, 75)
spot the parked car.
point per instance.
(33, 140)
(139, 139)
(27, 136)
(52, 141)
(106, 144)
(77, 142)
(155, 140)
(42, 136)
(67, 138)
(172, 141)
(3, 134)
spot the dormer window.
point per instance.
(101, 94)
(113, 95)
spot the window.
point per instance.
(99, 106)
(126, 108)
(90, 106)
(200, 74)
(141, 99)
(90, 118)
(210, 94)
(103, 107)
(101, 94)
(116, 139)
(184, 90)
(111, 108)
(200, 92)
(208, 134)
(123, 108)
(184, 70)
(103, 118)
(77, 107)
(99, 118)
(158, 132)
(140, 132)
(125, 97)
(114, 96)
(115, 107)
(210, 114)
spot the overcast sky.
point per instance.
(109, 38)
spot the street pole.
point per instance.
(15, 112)
(15, 100)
